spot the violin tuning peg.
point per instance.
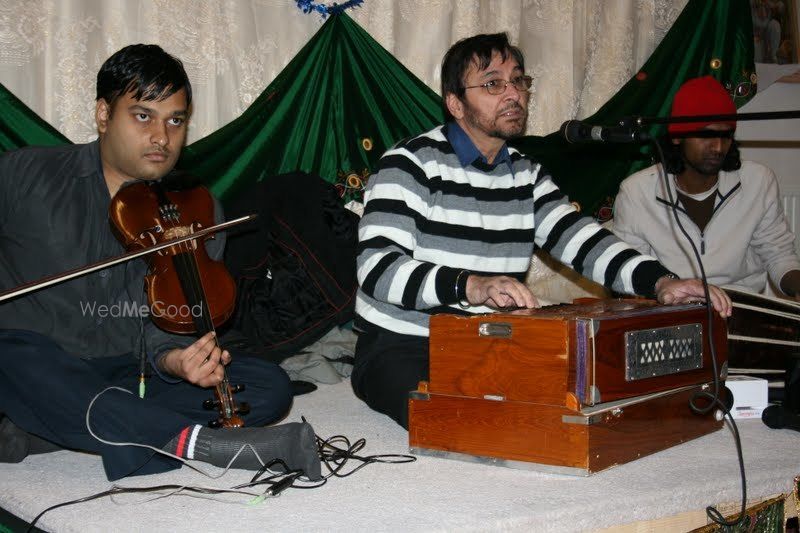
(243, 408)
(237, 388)
(210, 405)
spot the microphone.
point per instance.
(575, 131)
(776, 417)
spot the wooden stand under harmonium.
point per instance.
(571, 389)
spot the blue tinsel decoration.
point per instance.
(307, 6)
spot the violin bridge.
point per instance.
(180, 231)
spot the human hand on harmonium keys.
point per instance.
(504, 292)
(499, 292)
(677, 291)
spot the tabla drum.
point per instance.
(763, 337)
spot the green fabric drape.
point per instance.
(340, 89)
(343, 88)
(20, 126)
(709, 37)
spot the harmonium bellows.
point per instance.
(571, 389)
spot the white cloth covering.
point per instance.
(428, 495)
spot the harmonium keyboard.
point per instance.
(571, 389)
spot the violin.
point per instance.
(188, 292)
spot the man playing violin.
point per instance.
(64, 346)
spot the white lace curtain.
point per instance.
(580, 52)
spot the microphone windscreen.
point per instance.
(571, 131)
(773, 417)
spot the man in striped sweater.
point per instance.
(452, 218)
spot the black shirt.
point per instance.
(54, 217)
(699, 211)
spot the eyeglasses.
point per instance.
(498, 86)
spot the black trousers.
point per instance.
(388, 366)
(791, 387)
(46, 392)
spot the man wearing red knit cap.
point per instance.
(730, 208)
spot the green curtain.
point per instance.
(343, 100)
(19, 126)
(709, 37)
(335, 108)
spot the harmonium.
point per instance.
(571, 389)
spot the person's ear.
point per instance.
(455, 106)
(102, 114)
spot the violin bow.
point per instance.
(88, 269)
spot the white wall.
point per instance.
(776, 143)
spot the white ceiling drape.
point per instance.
(580, 52)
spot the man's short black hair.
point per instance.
(673, 158)
(457, 60)
(146, 70)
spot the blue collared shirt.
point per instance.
(467, 152)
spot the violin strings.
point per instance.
(192, 273)
(186, 265)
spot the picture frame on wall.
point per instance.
(775, 31)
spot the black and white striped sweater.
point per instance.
(427, 218)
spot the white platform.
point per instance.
(427, 495)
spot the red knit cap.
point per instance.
(700, 96)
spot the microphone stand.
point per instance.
(630, 129)
(639, 121)
(635, 124)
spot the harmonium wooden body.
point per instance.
(571, 389)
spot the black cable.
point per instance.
(713, 399)
(278, 481)
(125, 490)
(142, 352)
(704, 281)
(331, 454)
